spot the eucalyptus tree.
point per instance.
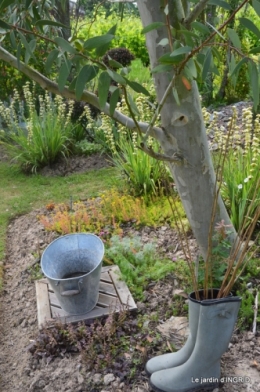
(182, 50)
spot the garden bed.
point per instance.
(20, 372)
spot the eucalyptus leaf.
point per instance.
(64, 45)
(72, 85)
(233, 36)
(5, 3)
(163, 42)
(250, 26)
(27, 46)
(254, 82)
(114, 100)
(220, 3)
(168, 59)
(152, 26)
(238, 66)
(137, 87)
(176, 96)
(4, 25)
(50, 59)
(256, 6)
(86, 74)
(116, 77)
(162, 68)
(13, 40)
(255, 50)
(207, 64)
(32, 45)
(114, 63)
(192, 68)
(200, 27)
(181, 50)
(97, 42)
(64, 72)
(104, 81)
(133, 105)
(18, 55)
(47, 22)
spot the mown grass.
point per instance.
(21, 193)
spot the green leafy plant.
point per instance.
(144, 175)
(85, 147)
(139, 263)
(47, 135)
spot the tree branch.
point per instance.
(87, 96)
(199, 7)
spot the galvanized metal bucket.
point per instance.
(72, 264)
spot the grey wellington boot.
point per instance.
(169, 360)
(201, 372)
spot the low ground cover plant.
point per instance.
(139, 263)
(107, 215)
(119, 343)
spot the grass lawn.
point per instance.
(21, 193)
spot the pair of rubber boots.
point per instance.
(196, 366)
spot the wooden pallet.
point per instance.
(113, 296)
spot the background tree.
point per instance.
(181, 51)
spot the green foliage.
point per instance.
(246, 311)
(144, 175)
(240, 186)
(139, 263)
(46, 136)
(128, 35)
(85, 147)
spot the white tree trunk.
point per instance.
(184, 132)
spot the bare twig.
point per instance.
(199, 7)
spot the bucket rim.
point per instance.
(77, 277)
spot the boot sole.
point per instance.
(199, 388)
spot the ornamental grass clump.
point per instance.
(44, 136)
(143, 174)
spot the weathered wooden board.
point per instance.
(113, 296)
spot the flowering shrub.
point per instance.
(240, 187)
(41, 137)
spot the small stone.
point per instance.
(250, 336)
(80, 378)
(24, 323)
(41, 384)
(97, 378)
(108, 378)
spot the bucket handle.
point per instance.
(69, 293)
